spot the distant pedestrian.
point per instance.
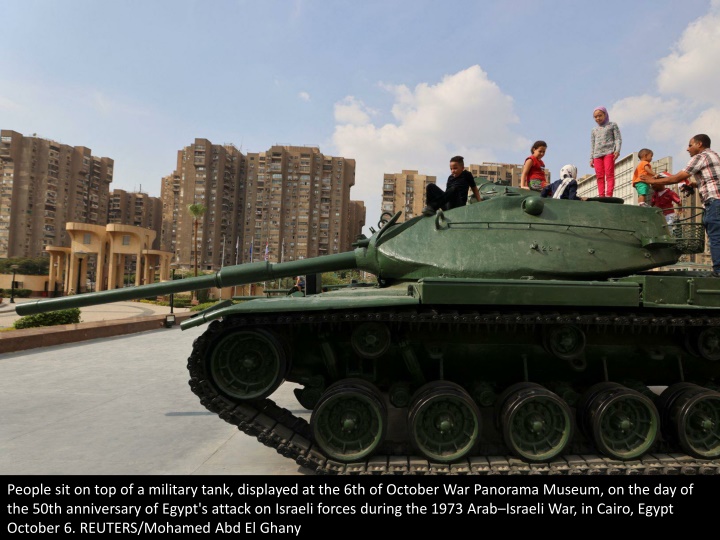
(299, 285)
(533, 171)
(456, 190)
(605, 143)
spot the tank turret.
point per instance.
(512, 235)
(518, 330)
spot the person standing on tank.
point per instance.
(644, 168)
(456, 190)
(703, 172)
(533, 171)
(605, 143)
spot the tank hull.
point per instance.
(449, 373)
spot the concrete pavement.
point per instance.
(122, 405)
(119, 405)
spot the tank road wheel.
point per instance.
(248, 364)
(623, 423)
(350, 420)
(708, 344)
(370, 340)
(567, 342)
(536, 423)
(691, 418)
(443, 421)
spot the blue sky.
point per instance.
(394, 85)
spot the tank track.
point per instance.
(289, 435)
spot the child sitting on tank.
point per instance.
(565, 187)
(298, 287)
(456, 191)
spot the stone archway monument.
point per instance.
(111, 245)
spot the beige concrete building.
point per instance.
(288, 203)
(43, 185)
(137, 209)
(98, 257)
(405, 192)
(504, 174)
(296, 204)
(211, 175)
(356, 221)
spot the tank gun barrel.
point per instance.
(228, 276)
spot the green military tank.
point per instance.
(518, 335)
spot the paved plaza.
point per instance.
(103, 312)
(121, 405)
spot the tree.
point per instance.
(36, 266)
(196, 210)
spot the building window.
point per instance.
(126, 240)
(86, 238)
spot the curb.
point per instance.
(32, 338)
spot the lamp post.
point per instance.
(55, 279)
(170, 319)
(80, 256)
(173, 266)
(14, 268)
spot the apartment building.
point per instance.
(43, 185)
(137, 209)
(504, 174)
(356, 221)
(210, 175)
(288, 203)
(405, 192)
(297, 205)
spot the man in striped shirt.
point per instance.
(703, 170)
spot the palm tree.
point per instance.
(196, 210)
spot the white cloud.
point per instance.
(642, 109)
(663, 120)
(304, 96)
(691, 70)
(465, 113)
(352, 111)
(687, 102)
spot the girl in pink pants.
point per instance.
(605, 143)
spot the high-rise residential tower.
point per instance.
(209, 175)
(296, 204)
(288, 203)
(405, 192)
(137, 209)
(43, 185)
